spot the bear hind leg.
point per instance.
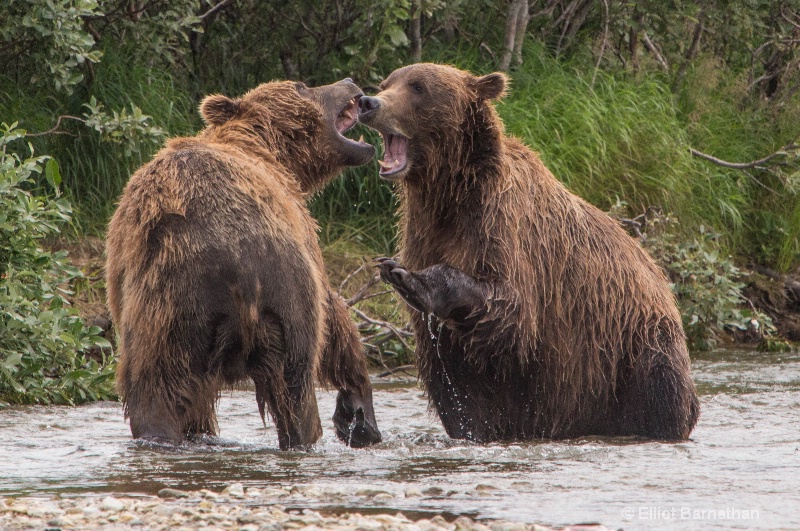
(165, 398)
(284, 382)
(661, 402)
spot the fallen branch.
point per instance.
(401, 368)
(362, 293)
(376, 331)
(743, 165)
(399, 334)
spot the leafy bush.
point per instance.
(707, 285)
(42, 338)
(51, 34)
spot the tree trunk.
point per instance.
(416, 31)
(515, 10)
(691, 52)
(522, 25)
(633, 41)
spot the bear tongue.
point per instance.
(347, 117)
(394, 156)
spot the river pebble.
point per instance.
(233, 508)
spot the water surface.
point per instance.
(740, 470)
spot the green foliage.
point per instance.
(41, 337)
(360, 206)
(161, 31)
(707, 285)
(53, 38)
(130, 129)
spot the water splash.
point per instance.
(350, 429)
(460, 407)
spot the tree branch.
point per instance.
(653, 49)
(603, 44)
(218, 7)
(54, 130)
(783, 152)
(691, 52)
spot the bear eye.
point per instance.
(417, 87)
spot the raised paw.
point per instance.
(407, 285)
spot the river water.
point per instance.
(740, 470)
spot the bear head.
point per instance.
(302, 127)
(426, 112)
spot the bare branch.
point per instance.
(218, 7)
(398, 333)
(789, 20)
(361, 294)
(653, 49)
(349, 277)
(691, 51)
(54, 130)
(401, 368)
(603, 44)
(783, 152)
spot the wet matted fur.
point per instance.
(215, 274)
(536, 315)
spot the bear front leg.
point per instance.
(344, 366)
(482, 314)
(441, 290)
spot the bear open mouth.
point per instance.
(347, 119)
(395, 148)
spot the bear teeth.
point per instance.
(384, 165)
(361, 139)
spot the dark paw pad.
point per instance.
(404, 282)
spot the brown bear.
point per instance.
(215, 275)
(536, 316)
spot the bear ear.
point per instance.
(218, 109)
(491, 86)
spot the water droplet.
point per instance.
(460, 409)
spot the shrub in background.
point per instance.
(707, 284)
(42, 339)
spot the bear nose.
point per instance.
(368, 104)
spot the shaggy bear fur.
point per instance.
(215, 274)
(536, 314)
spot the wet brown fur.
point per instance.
(578, 332)
(215, 274)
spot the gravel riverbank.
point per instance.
(232, 509)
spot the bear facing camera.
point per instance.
(535, 314)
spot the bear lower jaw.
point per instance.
(394, 176)
(395, 156)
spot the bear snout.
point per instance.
(367, 105)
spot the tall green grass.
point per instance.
(619, 139)
(359, 206)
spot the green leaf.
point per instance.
(397, 36)
(101, 342)
(52, 173)
(12, 360)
